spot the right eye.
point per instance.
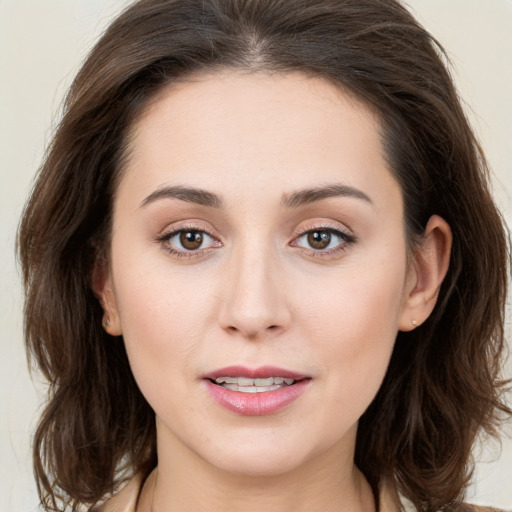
(188, 241)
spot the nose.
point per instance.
(254, 304)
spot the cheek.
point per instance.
(355, 325)
(163, 317)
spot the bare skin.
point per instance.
(256, 224)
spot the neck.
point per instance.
(331, 482)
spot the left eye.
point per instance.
(186, 240)
(322, 239)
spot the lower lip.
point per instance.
(256, 404)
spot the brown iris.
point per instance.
(319, 239)
(191, 240)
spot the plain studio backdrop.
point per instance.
(42, 43)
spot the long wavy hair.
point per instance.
(443, 383)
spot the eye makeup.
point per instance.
(193, 240)
(323, 240)
(189, 240)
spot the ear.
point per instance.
(102, 287)
(427, 269)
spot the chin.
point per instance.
(263, 454)
(262, 464)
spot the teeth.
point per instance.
(252, 389)
(253, 385)
(227, 380)
(264, 382)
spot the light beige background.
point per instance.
(42, 42)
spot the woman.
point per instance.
(263, 266)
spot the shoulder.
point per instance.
(123, 501)
(468, 507)
(407, 506)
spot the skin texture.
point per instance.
(256, 292)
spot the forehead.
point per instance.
(255, 130)
(260, 97)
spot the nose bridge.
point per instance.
(253, 302)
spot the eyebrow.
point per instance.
(188, 194)
(294, 200)
(311, 195)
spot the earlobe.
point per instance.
(102, 287)
(427, 271)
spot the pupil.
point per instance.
(191, 240)
(319, 239)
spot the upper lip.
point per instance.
(262, 372)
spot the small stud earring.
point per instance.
(415, 323)
(106, 322)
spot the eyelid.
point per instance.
(171, 231)
(325, 226)
(184, 225)
(346, 235)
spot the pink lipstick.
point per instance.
(255, 392)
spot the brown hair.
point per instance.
(442, 385)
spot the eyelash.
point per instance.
(166, 238)
(346, 239)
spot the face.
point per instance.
(257, 235)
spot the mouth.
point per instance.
(255, 392)
(248, 385)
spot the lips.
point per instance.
(263, 372)
(255, 392)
